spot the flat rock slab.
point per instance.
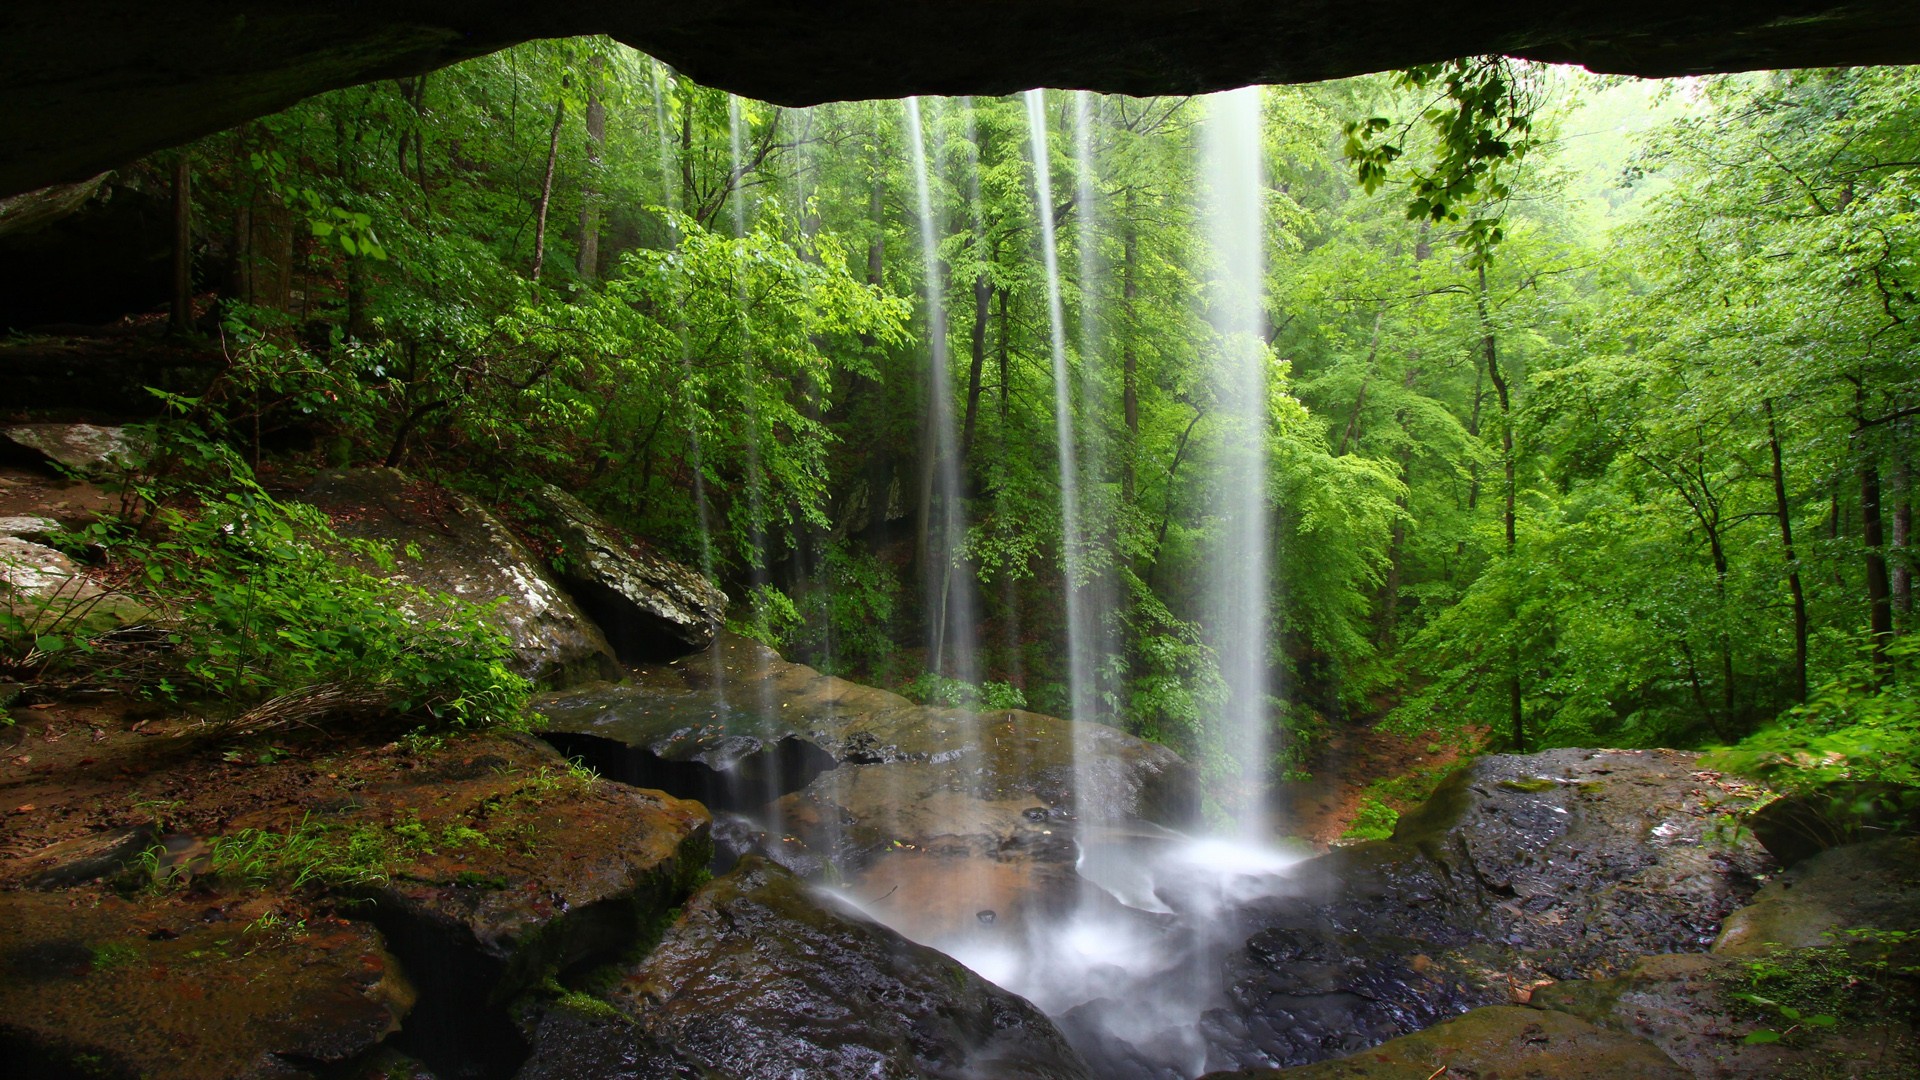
(84, 448)
(1497, 1041)
(468, 553)
(163, 989)
(651, 608)
(763, 979)
(1687, 1005)
(740, 699)
(1871, 886)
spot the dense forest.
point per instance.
(1592, 401)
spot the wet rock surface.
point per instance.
(650, 608)
(163, 988)
(557, 870)
(1497, 1041)
(1802, 824)
(466, 552)
(1813, 903)
(1689, 1006)
(1520, 869)
(945, 812)
(762, 978)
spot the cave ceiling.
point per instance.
(88, 85)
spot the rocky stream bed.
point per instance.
(743, 887)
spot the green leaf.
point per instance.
(1761, 1037)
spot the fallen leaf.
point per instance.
(25, 808)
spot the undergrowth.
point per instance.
(252, 602)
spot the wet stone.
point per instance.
(160, 989)
(763, 979)
(468, 553)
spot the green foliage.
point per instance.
(255, 606)
(1373, 821)
(1862, 725)
(772, 619)
(1798, 991)
(930, 688)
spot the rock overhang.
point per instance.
(91, 84)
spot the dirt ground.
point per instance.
(1319, 809)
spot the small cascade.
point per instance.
(764, 709)
(1237, 585)
(1080, 643)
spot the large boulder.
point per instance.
(1699, 1009)
(445, 542)
(763, 979)
(514, 867)
(84, 448)
(1520, 870)
(171, 989)
(54, 595)
(650, 608)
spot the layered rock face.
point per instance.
(446, 542)
(650, 608)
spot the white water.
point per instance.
(1236, 586)
(1141, 954)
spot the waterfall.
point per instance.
(1236, 585)
(952, 622)
(1080, 640)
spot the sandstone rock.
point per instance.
(519, 869)
(162, 989)
(52, 595)
(650, 608)
(1800, 825)
(466, 552)
(762, 979)
(1495, 1041)
(84, 448)
(79, 93)
(1868, 886)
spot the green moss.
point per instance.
(1531, 785)
(112, 955)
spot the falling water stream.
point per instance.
(1131, 965)
(1236, 586)
(1131, 968)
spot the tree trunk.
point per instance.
(1782, 512)
(1515, 716)
(589, 261)
(546, 191)
(1879, 592)
(1129, 355)
(982, 311)
(181, 321)
(1902, 567)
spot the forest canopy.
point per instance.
(1592, 407)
